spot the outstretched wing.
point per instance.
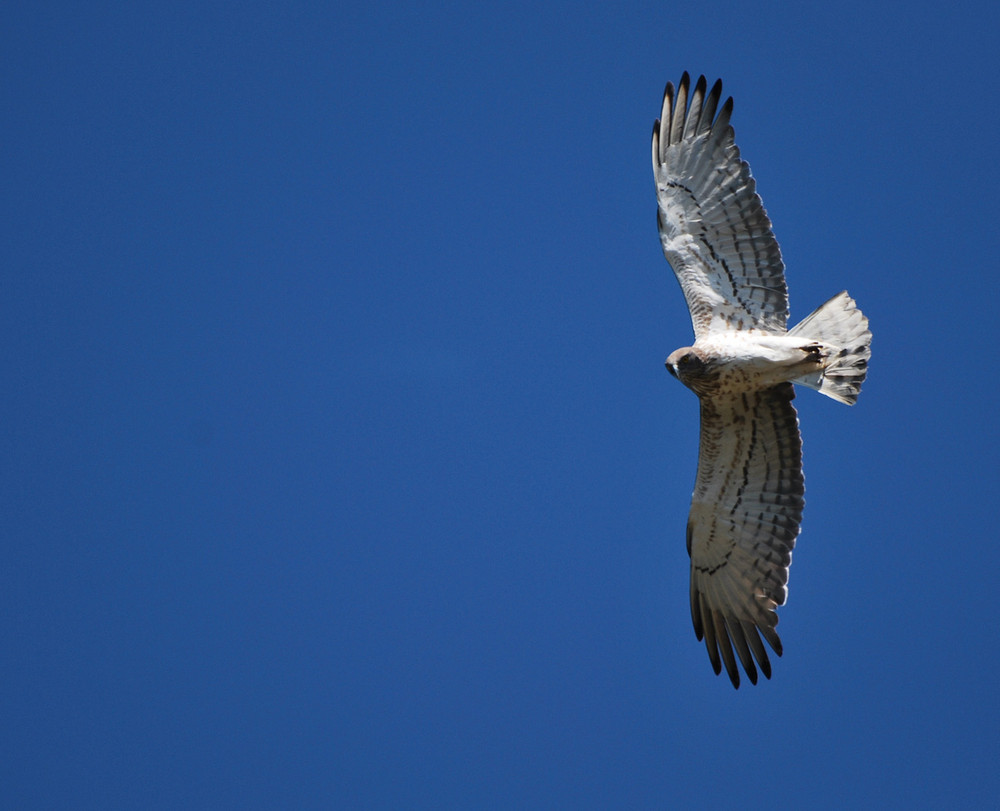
(713, 227)
(745, 516)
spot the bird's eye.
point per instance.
(686, 360)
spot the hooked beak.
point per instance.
(672, 368)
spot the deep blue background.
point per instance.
(340, 466)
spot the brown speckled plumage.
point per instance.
(748, 498)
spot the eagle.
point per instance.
(746, 508)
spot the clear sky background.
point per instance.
(340, 466)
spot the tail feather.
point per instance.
(843, 328)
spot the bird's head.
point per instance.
(688, 366)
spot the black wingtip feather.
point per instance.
(725, 648)
(725, 114)
(772, 638)
(685, 112)
(760, 654)
(696, 614)
(708, 626)
(742, 648)
(679, 111)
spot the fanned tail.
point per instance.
(843, 328)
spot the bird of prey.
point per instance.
(748, 496)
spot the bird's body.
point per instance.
(734, 362)
(747, 503)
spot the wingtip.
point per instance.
(668, 92)
(725, 115)
(680, 103)
(701, 84)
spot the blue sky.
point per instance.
(341, 468)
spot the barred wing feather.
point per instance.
(745, 517)
(713, 228)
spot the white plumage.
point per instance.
(748, 497)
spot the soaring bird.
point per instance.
(746, 508)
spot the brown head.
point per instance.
(689, 366)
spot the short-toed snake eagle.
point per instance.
(748, 494)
